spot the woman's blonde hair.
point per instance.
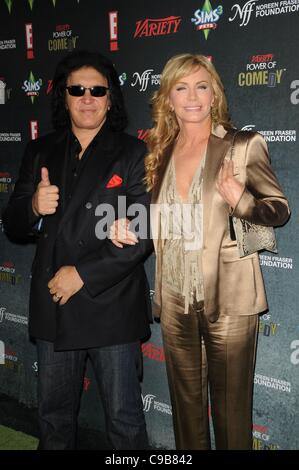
(165, 125)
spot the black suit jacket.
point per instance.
(113, 306)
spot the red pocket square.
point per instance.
(114, 181)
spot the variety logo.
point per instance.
(8, 44)
(295, 94)
(207, 18)
(8, 273)
(157, 27)
(142, 135)
(276, 262)
(243, 13)
(33, 130)
(261, 438)
(261, 70)
(150, 402)
(113, 30)
(11, 360)
(272, 382)
(29, 40)
(32, 87)
(294, 358)
(6, 185)
(145, 78)
(5, 315)
(62, 39)
(153, 352)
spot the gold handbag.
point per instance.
(250, 237)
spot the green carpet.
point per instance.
(15, 440)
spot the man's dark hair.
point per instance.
(116, 116)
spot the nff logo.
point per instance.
(143, 79)
(244, 13)
(147, 401)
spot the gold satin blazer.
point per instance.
(232, 285)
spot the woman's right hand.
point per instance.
(120, 234)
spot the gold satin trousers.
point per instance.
(214, 360)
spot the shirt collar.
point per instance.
(218, 130)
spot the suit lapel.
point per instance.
(216, 151)
(162, 170)
(96, 171)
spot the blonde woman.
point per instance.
(208, 297)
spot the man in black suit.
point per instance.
(88, 298)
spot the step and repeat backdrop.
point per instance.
(254, 45)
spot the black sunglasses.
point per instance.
(79, 90)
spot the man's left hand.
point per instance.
(64, 284)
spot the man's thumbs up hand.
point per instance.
(45, 198)
(45, 177)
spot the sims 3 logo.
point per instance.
(32, 87)
(122, 78)
(207, 17)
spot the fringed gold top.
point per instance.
(181, 230)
